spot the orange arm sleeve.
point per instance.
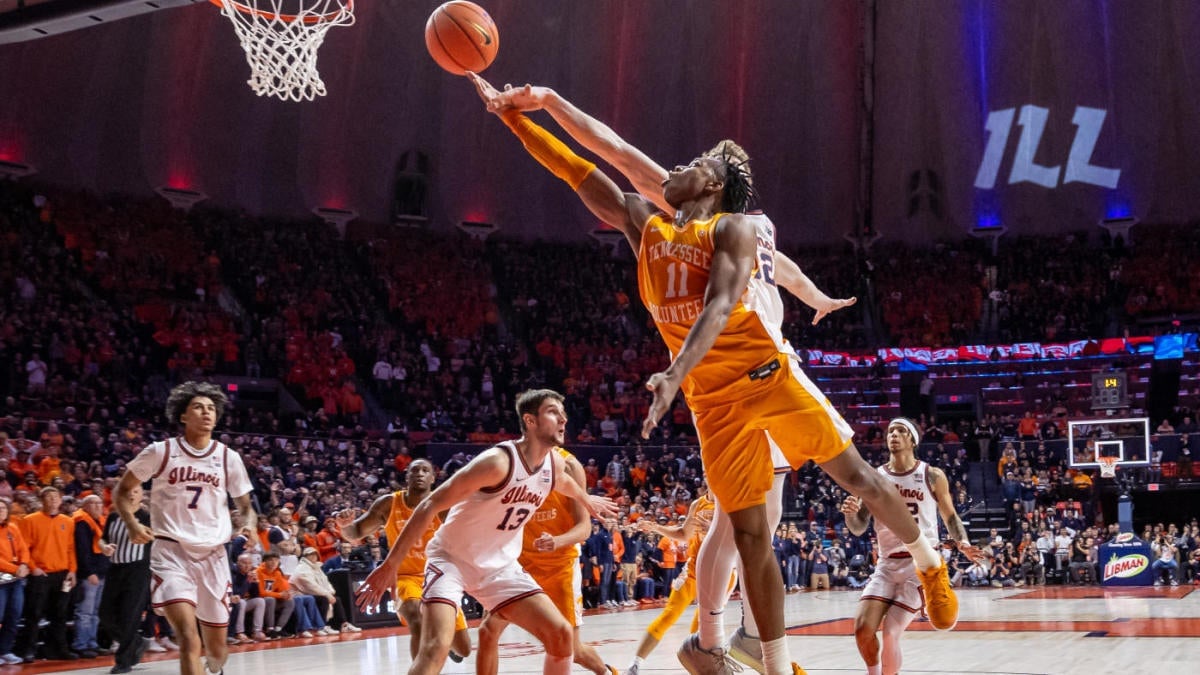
(548, 150)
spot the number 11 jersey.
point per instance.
(484, 532)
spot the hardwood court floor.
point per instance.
(1039, 631)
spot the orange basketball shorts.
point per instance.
(790, 416)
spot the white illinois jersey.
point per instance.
(762, 294)
(483, 534)
(916, 495)
(189, 496)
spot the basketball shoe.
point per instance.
(941, 605)
(747, 650)
(699, 661)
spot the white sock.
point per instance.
(776, 659)
(876, 669)
(639, 661)
(923, 554)
(712, 629)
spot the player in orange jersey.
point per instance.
(706, 275)
(550, 553)
(683, 591)
(390, 512)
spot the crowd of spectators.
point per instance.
(104, 303)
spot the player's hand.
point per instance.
(524, 98)
(378, 582)
(544, 543)
(851, 505)
(664, 388)
(487, 93)
(345, 517)
(973, 553)
(108, 549)
(140, 534)
(833, 305)
(645, 525)
(601, 508)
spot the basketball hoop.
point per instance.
(1108, 467)
(281, 48)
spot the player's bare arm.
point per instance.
(681, 532)
(354, 530)
(789, 276)
(599, 507)
(489, 469)
(857, 515)
(246, 508)
(138, 533)
(734, 247)
(644, 173)
(627, 213)
(940, 486)
(582, 528)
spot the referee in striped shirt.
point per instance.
(127, 589)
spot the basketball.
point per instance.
(461, 36)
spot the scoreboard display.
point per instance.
(1109, 390)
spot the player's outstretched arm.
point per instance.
(644, 173)
(940, 486)
(599, 507)
(246, 507)
(599, 194)
(734, 248)
(354, 530)
(789, 275)
(487, 470)
(582, 528)
(681, 532)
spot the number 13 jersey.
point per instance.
(674, 265)
(484, 532)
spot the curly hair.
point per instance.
(739, 193)
(530, 401)
(182, 395)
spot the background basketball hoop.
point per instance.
(1108, 466)
(281, 39)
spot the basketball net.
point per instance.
(282, 48)
(1108, 467)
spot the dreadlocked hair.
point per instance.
(739, 191)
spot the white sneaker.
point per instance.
(698, 661)
(153, 646)
(168, 643)
(747, 650)
(305, 634)
(632, 670)
(11, 659)
(327, 630)
(350, 628)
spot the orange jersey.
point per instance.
(553, 518)
(673, 270)
(705, 509)
(414, 562)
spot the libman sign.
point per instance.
(1125, 562)
(1126, 566)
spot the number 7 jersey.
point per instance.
(483, 533)
(190, 491)
(673, 270)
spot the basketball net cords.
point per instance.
(282, 54)
(1108, 469)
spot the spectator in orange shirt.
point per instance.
(328, 540)
(51, 539)
(14, 560)
(1027, 429)
(669, 555)
(273, 584)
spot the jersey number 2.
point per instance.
(517, 518)
(195, 497)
